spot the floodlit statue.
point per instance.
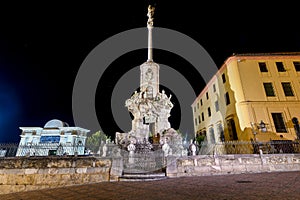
(193, 148)
(131, 148)
(150, 15)
(166, 148)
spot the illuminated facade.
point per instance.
(56, 138)
(251, 97)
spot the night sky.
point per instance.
(43, 45)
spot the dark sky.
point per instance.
(42, 45)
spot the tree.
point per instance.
(200, 138)
(94, 141)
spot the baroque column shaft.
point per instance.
(150, 56)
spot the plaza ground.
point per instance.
(275, 185)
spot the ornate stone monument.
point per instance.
(150, 107)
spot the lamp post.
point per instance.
(255, 146)
(253, 131)
(296, 126)
(262, 126)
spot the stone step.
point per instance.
(142, 176)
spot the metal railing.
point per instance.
(8, 149)
(249, 147)
(205, 148)
(42, 149)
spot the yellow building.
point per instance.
(251, 97)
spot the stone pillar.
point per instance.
(152, 128)
(150, 56)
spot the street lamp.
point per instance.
(262, 126)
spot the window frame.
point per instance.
(223, 78)
(271, 92)
(296, 66)
(280, 67)
(288, 90)
(217, 106)
(281, 126)
(263, 67)
(227, 98)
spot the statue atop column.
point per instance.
(149, 107)
(150, 15)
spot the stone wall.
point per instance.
(203, 165)
(31, 173)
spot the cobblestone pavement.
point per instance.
(275, 185)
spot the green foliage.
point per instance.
(93, 142)
(200, 138)
(179, 132)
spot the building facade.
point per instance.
(55, 138)
(251, 97)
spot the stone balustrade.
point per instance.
(203, 165)
(34, 173)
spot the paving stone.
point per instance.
(273, 185)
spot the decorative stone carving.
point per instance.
(193, 148)
(150, 108)
(166, 148)
(104, 150)
(150, 15)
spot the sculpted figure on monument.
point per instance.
(166, 148)
(149, 74)
(150, 15)
(149, 92)
(163, 95)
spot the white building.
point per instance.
(56, 138)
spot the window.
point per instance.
(203, 132)
(49, 139)
(297, 66)
(214, 87)
(198, 105)
(217, 106)
(202, 114)
(195, 109)
(262, 67)
(212, 135)
(269, 89)
(223, 78)
(199, 121)
(221, 132)
(201, 102)
(207, 95)
(208, 111)
(196, 121)
(279, 123)
(232, 129)
(280, 67)
(227, 100)
(287, 88)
